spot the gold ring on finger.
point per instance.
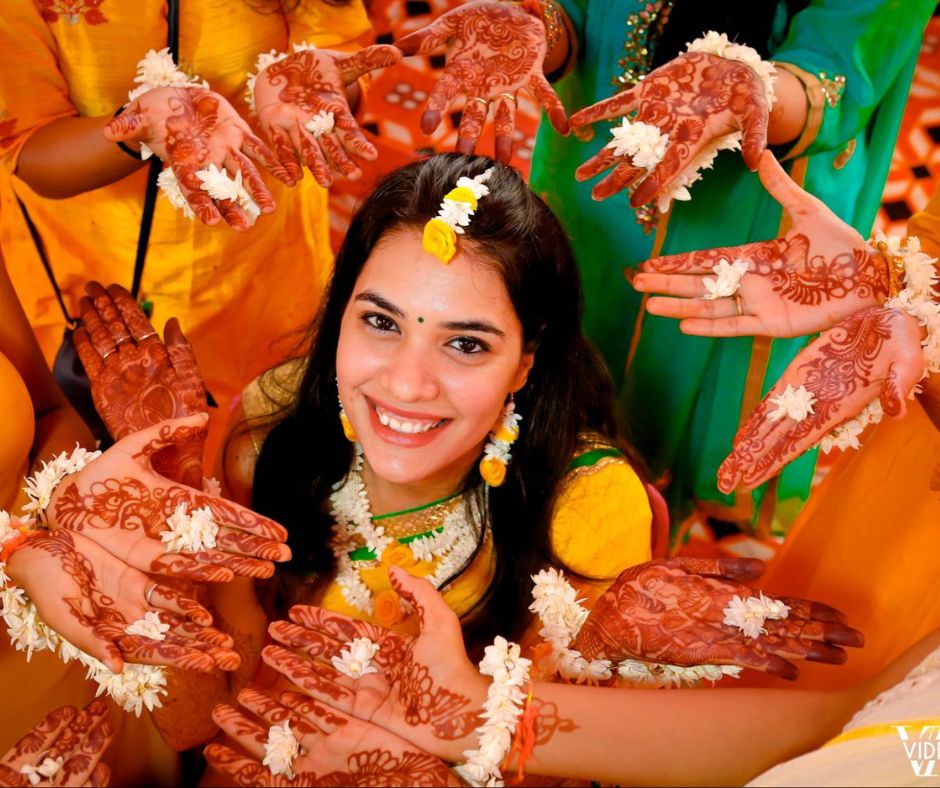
(111, 352)
(483, 101)
(737, 305)
(147, 336)
(508, 96)
(121, 341)
(149, 593)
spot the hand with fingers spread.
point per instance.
(672, 612)
(335, 748)
(89, 597)
(191, 129)
(63, 749)
(304, 113)
(875, 354)
(696, 100)
(137, 380)
(817, 274)
(425, 690)
(123, 504)
(494, 50)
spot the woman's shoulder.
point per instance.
(602, 518)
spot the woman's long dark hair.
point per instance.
(568, 392)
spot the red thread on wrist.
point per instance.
(13, 545)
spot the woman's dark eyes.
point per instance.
(380, 322)
(468, 345)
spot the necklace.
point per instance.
(358, 543)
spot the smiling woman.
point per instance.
(431, 362)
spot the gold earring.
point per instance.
(496, 454)
(348, 430)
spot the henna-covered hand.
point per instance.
(120, 502)
(137, 380)
(875, 354)
(291, 92)
(191, 128)
(494, 50)
(336, 749)
(817, 274)
(695, 99)
(672, 611)
(75, 740)
(426, 690)
(89, 597)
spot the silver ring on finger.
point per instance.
(149, 593)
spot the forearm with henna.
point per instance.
(70, 156)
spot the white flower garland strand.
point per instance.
(727, 279)
(647, 145)
(749, 614)
(264, 60)
(280, 750)
(136, 687)
(562, 616)
(40, 486)
(352, 524)
(500, 442)
(918, 299)
(355, 660)
(501, 711)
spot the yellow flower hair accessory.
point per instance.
(458, 205)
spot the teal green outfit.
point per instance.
(681, 396)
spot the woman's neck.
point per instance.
(386, 497)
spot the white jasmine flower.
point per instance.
(727, 280)
(476, 184)
(170, 187)
(158, 69)
(456, 214)
(150, 626)
(319, 124)
(211, 486)
(218, 184)
(743, 616)
(46, 770)
(644, 143)
(796, 403)
(355, 660)
(280, 750)
(145, 151)
(190, 533)
(712, 43)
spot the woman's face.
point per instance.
(427, 355)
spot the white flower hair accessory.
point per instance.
(355, 660)
(457, 207)
(913, 280)
(727, 279)
(280, 750)
(749, 614)
(190, 532)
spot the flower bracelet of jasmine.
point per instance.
(134, 688)
(646, 144)
(912, 276)
(505, 700)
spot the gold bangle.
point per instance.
(816, 100)
(895, 265)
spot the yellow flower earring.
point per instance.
(496, 455)
(348, 430)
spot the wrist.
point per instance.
(790, 112)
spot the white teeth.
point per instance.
(403, 426)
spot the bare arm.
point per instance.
(69, 156)
(58, 426)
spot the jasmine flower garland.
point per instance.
(42, 484)
(561, 614)
(501, 710)
(917, 298)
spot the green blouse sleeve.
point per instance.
(872, 43)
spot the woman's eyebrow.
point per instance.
(473, 325)
(374, 298)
